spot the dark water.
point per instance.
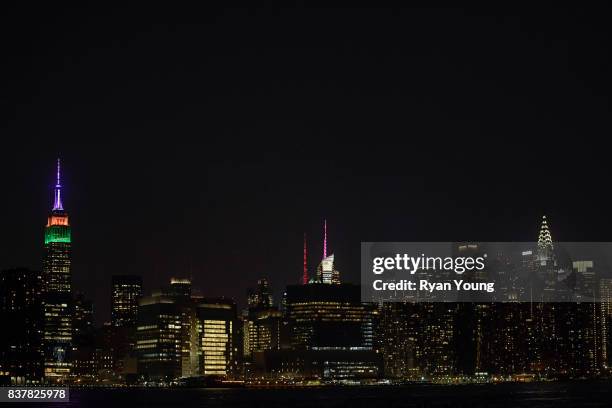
(577, 394)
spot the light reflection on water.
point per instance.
(546, 395)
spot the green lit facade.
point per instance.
(57, 233)
(56, 264)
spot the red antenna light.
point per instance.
(305, 275)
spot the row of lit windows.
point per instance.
(147, 341)
(149, 327)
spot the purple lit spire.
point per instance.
(57, 202)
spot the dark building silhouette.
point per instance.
(261, 297)
(329, 316)
(126, 291)
(158, 343)
(83, 338)
(21, 358)
(331, 335)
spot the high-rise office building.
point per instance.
(584, 335)
(262, 321)
(83, 338)
(181, 336)
(20, 313)
(264, 330)
(324, 316)
(331, 335)
(398, 338)
(605, 310)
(219, 348)
(260, 297)
(57, 298)
(179, 291)
(326, 271)
(82, 320)
(180, 287)
(436, 354)
(585, 288)
(158, 338)
(506, 351)
(126, 291)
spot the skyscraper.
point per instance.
(20, 343)
(545, 238)
(397, 336)
(331, 334)
(82, 321)
(323, 316)
(326, 272)
(57, 288)
(546, 263)
(179, 291)
(261, 297)
(217, 328)
(158, 343)
(82, 354)
(125, 292)
(585, 289)
(605, 307)
(262, 321)
(181, 336)
(180, 287)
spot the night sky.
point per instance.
(205, 142)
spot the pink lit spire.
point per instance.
(305, 275)
(57, 201)
(324, 239)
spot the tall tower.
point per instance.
(545, 259)
(57, 290)
(544, 238)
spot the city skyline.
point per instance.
(309, 261)
(321, 327)
(305, 204)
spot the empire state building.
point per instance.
(57, 289)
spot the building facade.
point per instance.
(57, 291)
(182, 336)
(126, 291)
(331, 335)
(158, 339)
(21, 358)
